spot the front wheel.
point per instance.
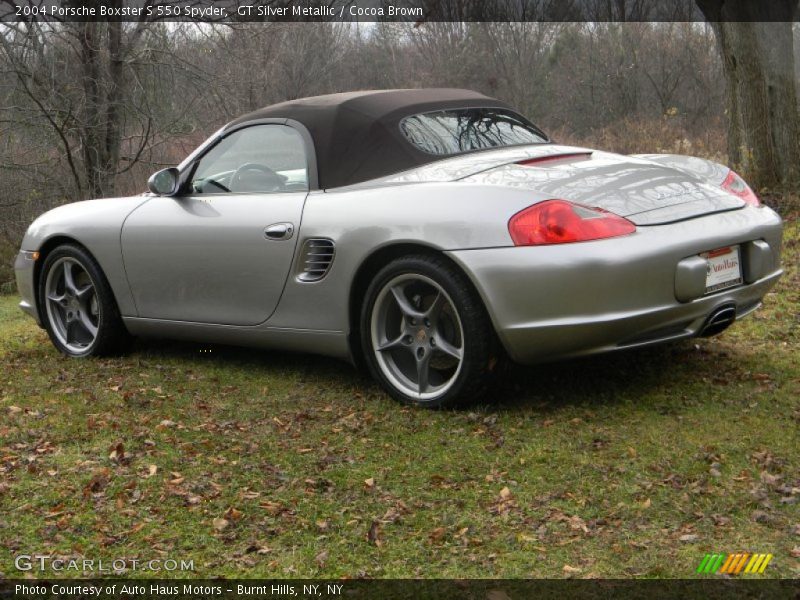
(425, 333)
(79, 310)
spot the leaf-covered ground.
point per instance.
(267, 464)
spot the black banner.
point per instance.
(440, 589)
(413, 11)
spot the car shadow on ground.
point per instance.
(603, 379)
(593, 380)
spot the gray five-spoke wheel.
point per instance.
(417, 336)
(72, 306)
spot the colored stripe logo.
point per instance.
(734, 564)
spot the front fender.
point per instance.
(96, 225)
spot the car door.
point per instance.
(221, 251)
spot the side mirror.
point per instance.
(164, 182)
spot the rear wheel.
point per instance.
(425, 334)
(79, 310)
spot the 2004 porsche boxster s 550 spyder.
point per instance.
(423, 233)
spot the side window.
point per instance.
(261, 158)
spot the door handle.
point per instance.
(279, 231)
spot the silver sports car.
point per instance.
(422, 233)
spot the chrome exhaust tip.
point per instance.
(718, 321)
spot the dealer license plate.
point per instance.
(724, 268)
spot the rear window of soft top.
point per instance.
(454, 131)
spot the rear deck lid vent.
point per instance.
(316, 259)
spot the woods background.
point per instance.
(91, 109)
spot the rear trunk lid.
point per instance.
(644, 191)
(641, 190)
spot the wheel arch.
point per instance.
(45, 249)
(370, 266)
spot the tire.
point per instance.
(79, 311)
(421, 314)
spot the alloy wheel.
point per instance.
(72, 306)
(417, 336)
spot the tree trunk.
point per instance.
(92, 160)
(102, 71)
(758, 60)
(113, 103)
(782, 99)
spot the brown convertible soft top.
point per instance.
(357, 135)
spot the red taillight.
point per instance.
(736, 186)
(562, 222)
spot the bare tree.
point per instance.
(91, 87)
(758, 60)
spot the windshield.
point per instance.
(461, 130)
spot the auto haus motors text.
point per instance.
(116, 589)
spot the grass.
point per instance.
(268, 464)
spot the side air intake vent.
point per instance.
(316, 259)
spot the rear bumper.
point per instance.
(552, 302)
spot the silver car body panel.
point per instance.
(96, 224)
(202, 269)
(644, 192)
(184, 257)
(569, 299)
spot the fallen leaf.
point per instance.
(720, 521)
(97, 483)
(570, 569)
(272, 508)
(370, 482)
(575, 522)
(321, 558)
(391, 515)
(373, 535)
(233, 514)
(689, 537)
(759, 516)
(505, 493)
(647, 503)
(117, 453)
(770, 479)
(437, 534)
(220, 524)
